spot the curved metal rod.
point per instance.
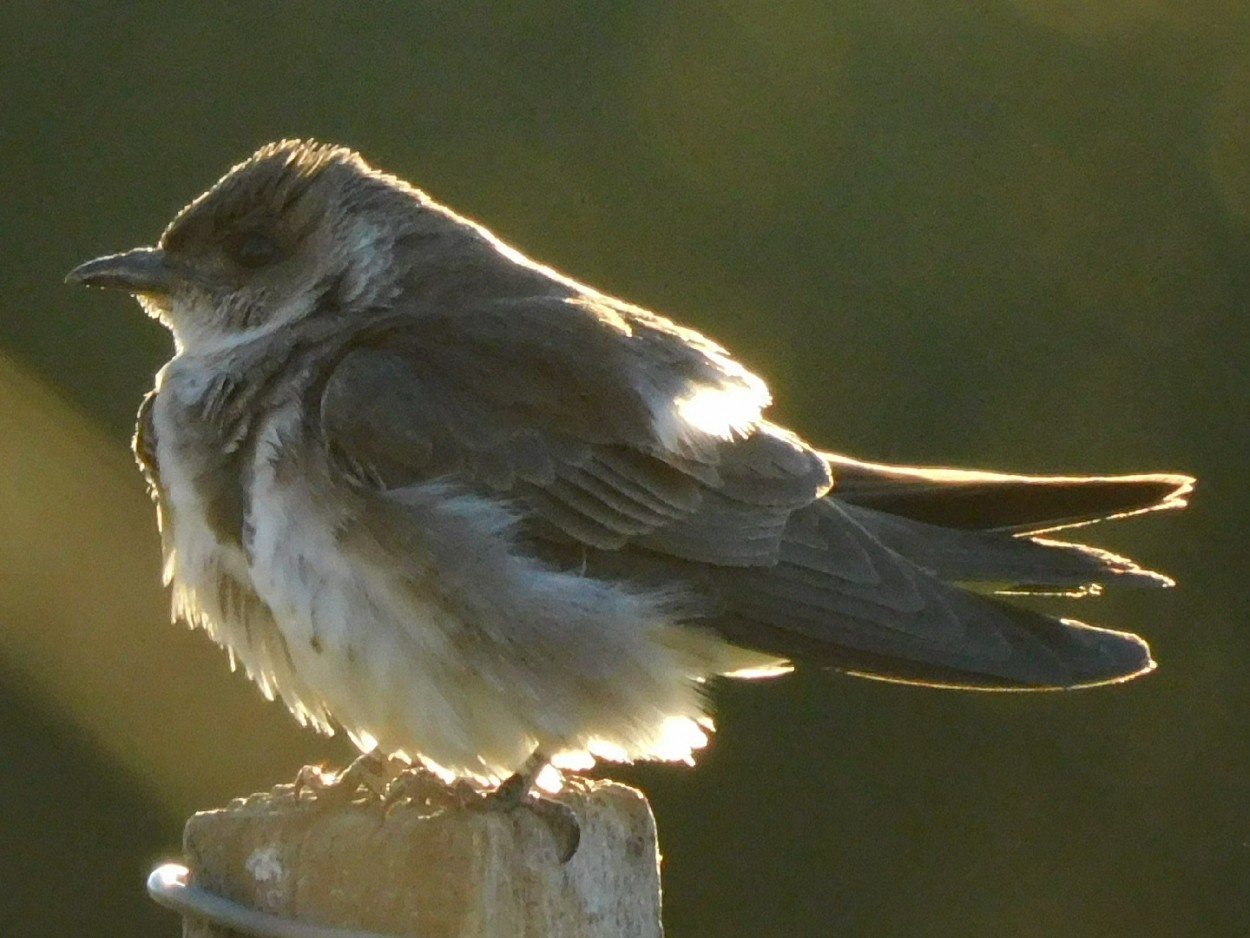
(168, 885)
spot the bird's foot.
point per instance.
(517, 791)
(392, 782)
(371, 773)
(416, 786)
(560, 819)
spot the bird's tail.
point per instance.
(886, 576)
(966, 499)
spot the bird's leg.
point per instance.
(517, 791)
(512, 791)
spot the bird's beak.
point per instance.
(143, 270)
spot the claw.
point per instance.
(392, 783)
(562, 821)
(371, 772)
(417, 785)
(516, 791)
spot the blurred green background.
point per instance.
(1004, 234)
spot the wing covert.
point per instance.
(562, 409)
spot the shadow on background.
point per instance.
(1005, 235)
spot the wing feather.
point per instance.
(589, 454)
(569, 410)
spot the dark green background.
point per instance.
(1009, 235)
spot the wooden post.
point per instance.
(450, 872)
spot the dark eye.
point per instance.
(253, 249)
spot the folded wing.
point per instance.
(800, 554)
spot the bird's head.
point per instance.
(295, 225)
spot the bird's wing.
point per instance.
(576, 411)
(570, 410)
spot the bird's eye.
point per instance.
(254, 249)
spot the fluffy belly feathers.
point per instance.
(407, 618)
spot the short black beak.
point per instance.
(143, 270)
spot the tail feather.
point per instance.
(1045, 654)
(885, 615)
(1002, 561)
(966, 499)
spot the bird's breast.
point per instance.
(203, 550)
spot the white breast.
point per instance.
(195, 559)
(377, 655)
(210, 578)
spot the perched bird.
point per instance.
(481, 516)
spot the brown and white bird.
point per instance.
(469, 510)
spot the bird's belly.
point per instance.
(380, 656)
(394, 653)
(322, 629)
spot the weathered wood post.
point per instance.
(274, 864)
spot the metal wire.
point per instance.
(169, 886)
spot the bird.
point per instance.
(485, 519)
